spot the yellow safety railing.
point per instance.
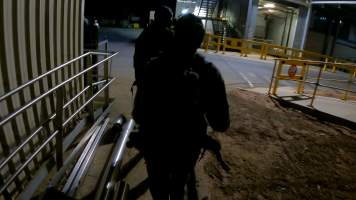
(264, 49)
(213, 41)
(299, 71)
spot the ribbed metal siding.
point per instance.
(35, 36)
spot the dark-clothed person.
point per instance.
(180, 96)
(154, 40)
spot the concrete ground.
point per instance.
(238, 72)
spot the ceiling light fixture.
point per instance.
(185, 11)
(269, 5)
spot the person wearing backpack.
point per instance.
(181, 94)
(153, 41)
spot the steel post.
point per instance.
(58, 126)
(349, 86)
(90, 93)
(316, 86)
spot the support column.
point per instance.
(251, 19)
(302, 27)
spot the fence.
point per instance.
(305, 76)
(264, 50)
(21, 159)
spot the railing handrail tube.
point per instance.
(28, 161)
(48, 140)
(12, 92)
(86, 103)
(318, 62)
(14, 114)
(41, 76)
(3, 163)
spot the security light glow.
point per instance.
(269, 5)
(185, 11)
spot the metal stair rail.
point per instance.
(57, 123)
(207, 8)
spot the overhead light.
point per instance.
(185, 11)
(340, 21)
(270, 10)
(269, 5)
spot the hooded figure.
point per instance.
(181, 95)
(154, 40)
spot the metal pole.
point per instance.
(90, 106)
(316, 86)
(276, 80)
(270, 85)
(106, 77)
(58, 126)
(349, 86)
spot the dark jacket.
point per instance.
(154, 40)
(176, 103)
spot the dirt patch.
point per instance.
(279, 153)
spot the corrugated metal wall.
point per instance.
(35, 36)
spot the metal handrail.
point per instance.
(12, 92)
(58, 132)
(52, 117)
(277, 69)
(20, 110)
(45, 143)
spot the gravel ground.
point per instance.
(279, 153)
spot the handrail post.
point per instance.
(301, 82)
(334, 66)
(349, 86)
(277, 76)
(325, 65)
(316, 86)
(106, 77)
(207, 42)
(262, 50)
(90, 93)
(58, 126)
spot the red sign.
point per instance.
(292, 71)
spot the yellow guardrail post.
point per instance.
(300, 89)
(349, 86)
(262, 50)
(272, 77)
(325, 65)
(276, 80)
(207, 41)
(224, 45)
(265, 50)
(218, 44)
(334, 66)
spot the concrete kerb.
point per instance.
(320, 115)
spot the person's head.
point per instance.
(189, 34)
(163, 16)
